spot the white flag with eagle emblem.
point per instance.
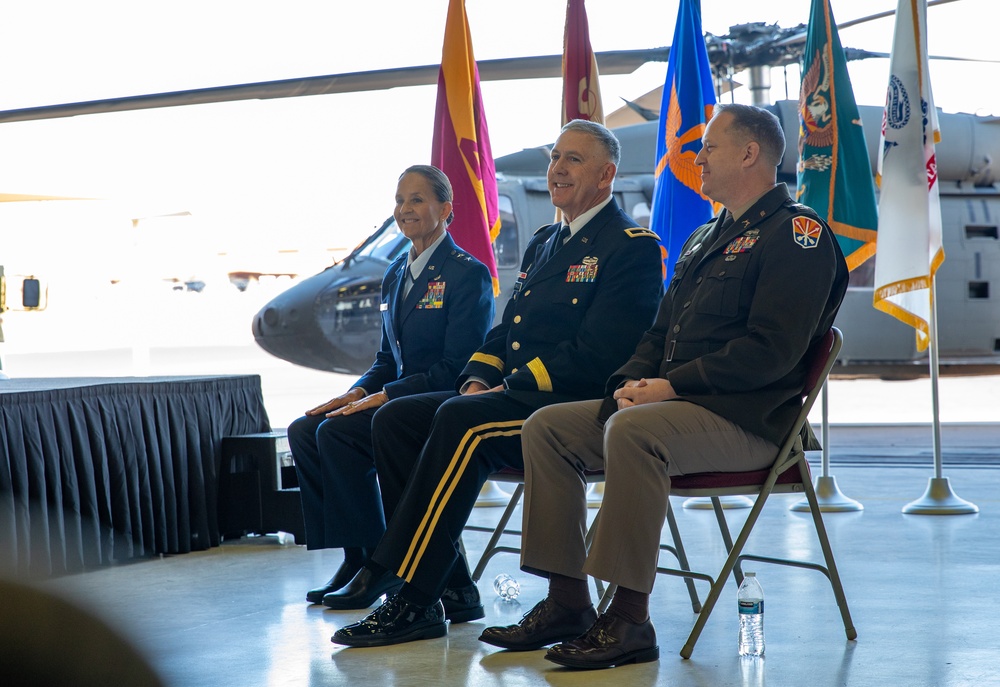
(909, 226)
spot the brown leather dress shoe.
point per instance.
(612, 641)
(547, 623)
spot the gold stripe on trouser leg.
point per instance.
(442, 494)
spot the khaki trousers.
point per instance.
(639, 449)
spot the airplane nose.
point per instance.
(326, 322)
(270, 316)
(276, 319)
(281, 330)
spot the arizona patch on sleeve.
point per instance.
(806, 231)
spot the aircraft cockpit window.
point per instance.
(506, 250)
(387, 245)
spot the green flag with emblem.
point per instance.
(834, 174)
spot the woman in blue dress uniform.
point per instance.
(437, 305)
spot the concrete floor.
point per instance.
(920, 590)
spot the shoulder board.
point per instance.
(459, 255)
(544, 226)
(801, 209)
(638, 232)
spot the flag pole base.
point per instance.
(728, 502)
(939, 499)
(829, 497)
(492, 495)
(595, 495)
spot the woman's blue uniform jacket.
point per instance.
(429, 337)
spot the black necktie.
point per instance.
(718, 231)
(561, 238)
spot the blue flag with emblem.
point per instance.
(678, 204)
(834, 175)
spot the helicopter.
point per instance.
(330, 321)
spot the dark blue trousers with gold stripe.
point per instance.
(435, 451)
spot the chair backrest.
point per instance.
(819, 361)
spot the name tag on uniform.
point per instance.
(434, 298)
(587, 272)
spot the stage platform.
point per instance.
(95, 470)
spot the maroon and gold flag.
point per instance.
(581, 91)
(461, 144)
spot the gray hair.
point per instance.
(440, 184)
(600, 132)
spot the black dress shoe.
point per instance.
(363, 590)
(345, 573)
(612, 641)
(463, 604)
(394, 622)
(547, 623)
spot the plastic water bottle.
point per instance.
(751, 604)
(506, 587)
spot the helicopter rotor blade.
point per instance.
(544, 66)
(799, 35)
(882, 15)
(746, 46)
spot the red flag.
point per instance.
(461, 145)
(581, 91)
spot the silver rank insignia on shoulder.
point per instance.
(383, 307)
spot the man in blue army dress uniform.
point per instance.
(588, 289)
(713, 386)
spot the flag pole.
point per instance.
(828, 494)
(833, 178)
(938, 499)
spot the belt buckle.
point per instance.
(670, 350)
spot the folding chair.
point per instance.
(780, 478)
(511, 476)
